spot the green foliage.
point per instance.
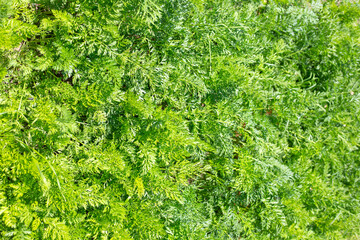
(184, 119)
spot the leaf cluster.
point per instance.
(183, 119)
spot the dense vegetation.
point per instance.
(182, 119)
